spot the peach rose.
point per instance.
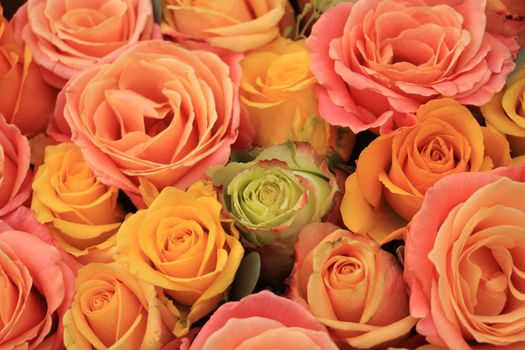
(178, 244)
(351, 286)
(464, 261)
(262, 321)
(111, 309)
(378, 60)
(157, 112)
(506, 112)
(278, 91)
(37, 284)
(237, 25)
(27, 101)
(82, 214)
(15, 175)
(67, 37)
(394, 171)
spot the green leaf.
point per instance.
(247, 277)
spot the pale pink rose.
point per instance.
(352, 286)
(378, 60)
(262, 321)
(464, 261)
(153, 114)
(37, 284)
(15, 175)
(67, 37)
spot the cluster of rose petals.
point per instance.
(262, 321)
(157, 113)
(67, 37)
(15, 175)
(237, 25)
(464, 261)
(37, 284)
(27, 100)
(378, 60)
(506, 111)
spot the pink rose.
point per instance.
(67, 37)
(464, 261)
(154, 114)
(378, 60)
(262, 321)
(15, 175)
(37, 284)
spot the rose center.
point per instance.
(100, 300)
(436, 151)
(346, 270)
(268, 193)
(178, 238)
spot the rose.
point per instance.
(27, 101)
(272, 197)
(178, 244)
(82, 213)
(237, 25)
(507, 17)
(15, 175)
(277, 89)
(156, 113)
(506, 112)
(111, 309)
(376, 61)
(67, 37)
(262, 321)
(351, 286)
(394, 171)
(37, 284)
(463, 261)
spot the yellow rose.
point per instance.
(278, 91)
(506, 112)
(82, 213)
(178, 244)
(237, 25)
(111, 309)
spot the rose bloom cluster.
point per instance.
(262, 174)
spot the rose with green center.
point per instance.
(273, 196)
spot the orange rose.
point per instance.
(82, 213)
(238, 25)
(394, 171)
(67, 37)
(464, 261)
(112, 309)
(351, 286)
(178, 244)
(27, 101)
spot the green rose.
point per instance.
(273, 196)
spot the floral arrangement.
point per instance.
(262, 174)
